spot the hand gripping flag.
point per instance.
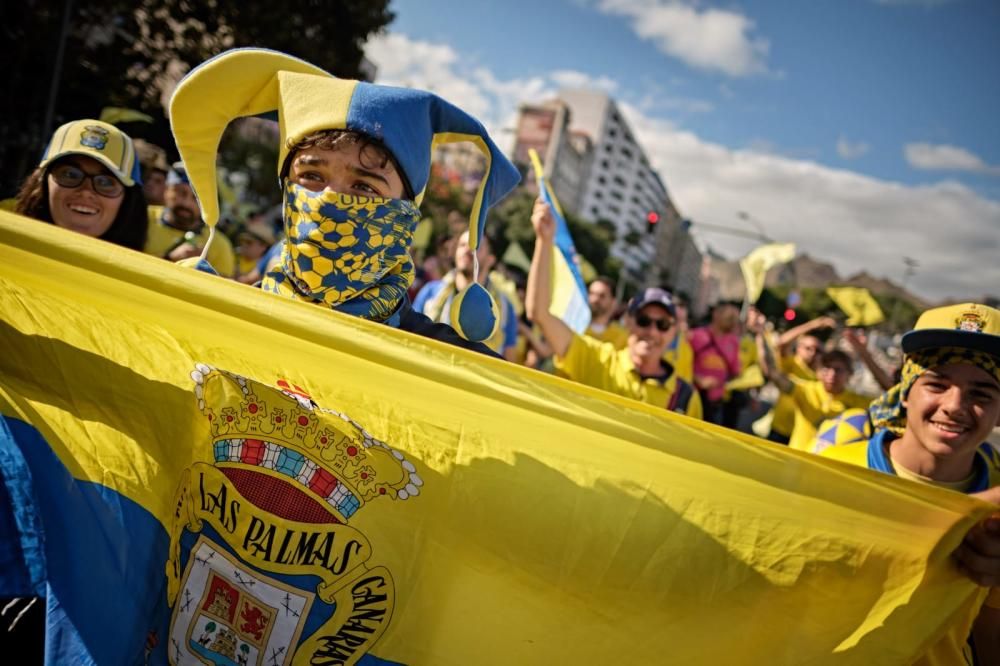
(194, 471)
(858, 304)
(569, 292)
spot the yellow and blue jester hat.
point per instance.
(307, 99)
(852, 425)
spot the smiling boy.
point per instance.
(932, 428)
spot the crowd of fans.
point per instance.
(939, 406)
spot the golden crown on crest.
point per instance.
(281, 431)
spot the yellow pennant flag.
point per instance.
(755, 266)
(223, 474)
(119, 114)
(858, 304)
(422, 234)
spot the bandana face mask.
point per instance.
(348, 252)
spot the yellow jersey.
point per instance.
(784, 409)
(600, 365)
(680, 355)
(614, 333)
(813, 405)
(161, 239)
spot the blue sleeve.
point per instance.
(272, 254)
(509, 326)
(426, 293)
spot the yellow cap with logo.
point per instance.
(969, 326)
(103, 142)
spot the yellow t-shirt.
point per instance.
(246, 264)
(952, 647)
(681, 356)
(784, 409)
(614, 333)
(161, 239)
(813, 405)
(751, 376)
(600, 365)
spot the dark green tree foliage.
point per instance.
(511, 221)
(131, 54)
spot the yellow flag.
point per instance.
(569, 291)
(422, 234)
(217, 471)
(118, 114)
(517, 257)
(756, 265)
(858, 304)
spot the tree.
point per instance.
(511, 220)
(132, 53)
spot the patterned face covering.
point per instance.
(348, 252)
(888, 411)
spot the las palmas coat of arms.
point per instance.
(264, 565)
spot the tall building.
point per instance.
(620, 185)
(600, 172)
(565, 154)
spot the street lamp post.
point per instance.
(910, 269)
(747, 217)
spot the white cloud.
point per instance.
(402, 61)
(854, 221)
(942, 157)
(568, 78)
(719, 40)
(851, 150)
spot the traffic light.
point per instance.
(792, 302)
(652, 217)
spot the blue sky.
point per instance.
(866, 118)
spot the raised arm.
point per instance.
(539, 292)
(859, 346)
(793, 334)
(768, 365)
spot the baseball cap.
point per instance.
(178, 175)
(652, 296)
(103, 142)
(968, 325)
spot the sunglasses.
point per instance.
(644, 321)
(69, 176)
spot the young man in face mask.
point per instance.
(354, 162)
(932, 428)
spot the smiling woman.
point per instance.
(88, 182)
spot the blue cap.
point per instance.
(652, 296)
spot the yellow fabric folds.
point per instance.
(555, 524)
